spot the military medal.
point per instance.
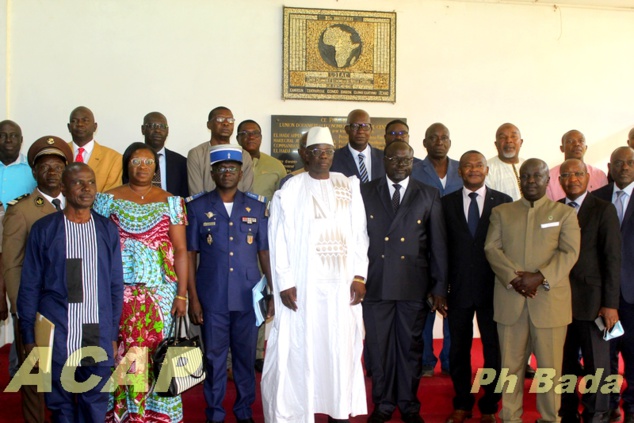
(210, 240)
(248, 209)
(39, 201)
(249, 238)
(209, 215)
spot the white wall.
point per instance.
(471, 65)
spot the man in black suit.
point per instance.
(471, 282)
(358, 157)
(594, 281)
(619, 193)
(171, 172)
(408, 262)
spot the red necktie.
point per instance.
(80, 155)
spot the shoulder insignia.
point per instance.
(39, 201)
(15, 200)
(195, 196)
(260, 198)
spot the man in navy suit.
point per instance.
(72, 274)
(171, 174)
(471, 282)
(619, 193)
(440, 172)
(408, 263)
(594, 282)
(358, 157)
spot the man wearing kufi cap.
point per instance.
(228, 228)
(48, 157)
(319, 246)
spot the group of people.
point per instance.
(361, 248)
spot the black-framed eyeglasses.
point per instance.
(255, 134)
(363, 127)
(154, 126)
(222, 170)
(317, 152)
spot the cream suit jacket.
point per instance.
(543, 236)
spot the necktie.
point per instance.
(156, 179)
(80, 155)
(362, 169)
(618, 203)
(396, 198)
(57, 204)
(573, 205)
(473, 214)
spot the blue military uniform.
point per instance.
(227, 272)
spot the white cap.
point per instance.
(319, 135)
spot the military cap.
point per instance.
(50, 145)
(225, 153)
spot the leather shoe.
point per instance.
(378, 417)
(412, 418)
(259, 365)
(249, 420)
(529, 373)
(331, 420)
(614, 415)
(570, 418)
(488, 418)
(458, 416)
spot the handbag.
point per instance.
(180, 352)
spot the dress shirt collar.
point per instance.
(404, 183)
(628, 190)
(88, 147)
(579, 200)
(50, 199)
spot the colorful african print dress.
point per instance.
(150, 287)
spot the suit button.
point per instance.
(382, 256)
(402, 257)
(371, 217)
(231, 253)
(231, 269)
(387, 238)
(230, 223)
(402, 239)
(418, 221)
(230, 238)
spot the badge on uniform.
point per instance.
(249, 220)
(209, 215)
(249, 238)
(248, 209)
(39, 201)
(210, 240)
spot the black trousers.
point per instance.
(394, 343)
(461, 330)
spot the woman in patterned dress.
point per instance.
(151, 225)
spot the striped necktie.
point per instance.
(156, 179)
(396, 198)
(362, 169)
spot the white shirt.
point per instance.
(503, 178)
(403, 184)
(367, 159)
(50, 199)
(162, 164)
(466, 200)
(90, 145)
(579, 201)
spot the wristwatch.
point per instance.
(546, 285)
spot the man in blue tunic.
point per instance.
(229, 230)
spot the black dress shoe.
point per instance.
(412, 418)
(570, 418)
(331, 420)
(249, 420)
(529, 373)
(259, 365)
(378, 417)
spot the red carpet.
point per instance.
(434, 393)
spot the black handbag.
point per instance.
(186, 350)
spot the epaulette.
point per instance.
(15, 200)
(195, 196)
(260, 198)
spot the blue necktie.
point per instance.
(618, 203)
(473, 214)
(362, 169)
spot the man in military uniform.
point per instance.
(229, 230)
(48, 157)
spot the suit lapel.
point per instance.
(384, 195)
(351, 163)
(95, 156)
(218, 205)
(586, 208)
(403, 209)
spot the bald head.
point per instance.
(155, 130)
(359, 129)
(508, 142)
(573, 145)
(630, 138)
(574, 178)
(437, 141)
(82, 125)
(621, 166)
(10, 141)
(534, 179)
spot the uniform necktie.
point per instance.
(362, 169)
(156, 179)
(80, 155)
(618, 203)
(396, 198)
(473, 214)
(57, 204)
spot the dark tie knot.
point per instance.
(473, 195)
(397, 187)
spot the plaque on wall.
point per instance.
(286, 130)
(339, 55)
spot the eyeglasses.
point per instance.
(398, 133)
(364, 127)
(254, 134)
(317, 152)
(223, 170)
(138, 162)
(578, 175)
(399, 160)
(155, 126)
(221, 119)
